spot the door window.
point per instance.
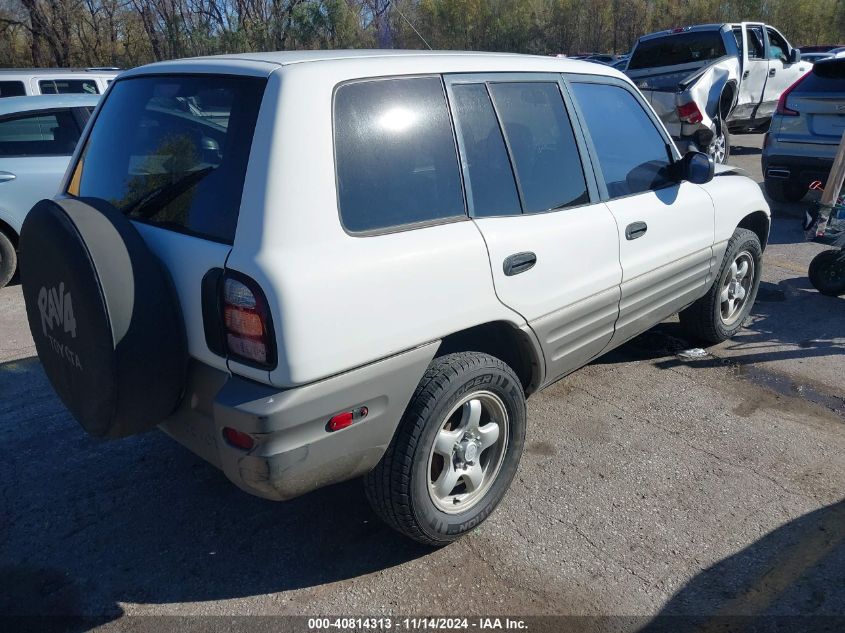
(12, 89)
(68, 86)
(632, 154)
(491, 189)
(39, 134)
(778, 48)
(395, 154)
(542, 145)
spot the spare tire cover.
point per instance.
(104, 316)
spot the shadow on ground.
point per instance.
(798, 568)
(86, 524)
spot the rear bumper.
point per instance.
(293, 452)
(798, 169)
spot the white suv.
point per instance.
(313, 266)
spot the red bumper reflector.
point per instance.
(238, 439)
(342, 420)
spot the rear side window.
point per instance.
(173, 151)
(676, 49)
(68, 86)
(395, 154)
(490, 185)
(542, 145)
(39, 133)
(826, 77)
(633, 155)
(12, 89)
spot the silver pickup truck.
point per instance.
(708, 80)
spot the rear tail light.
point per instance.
(689, 113)
(782, 109)
(246, 322)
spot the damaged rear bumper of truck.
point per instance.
(294, 452)
(704, 88)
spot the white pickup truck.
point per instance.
(708, 80)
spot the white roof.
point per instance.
(11, 105)
(399, 60)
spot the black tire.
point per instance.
(8, 260)
(398, 488)
(827, 272)
(704, 319)
(104, 316)
(781, 190)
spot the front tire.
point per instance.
(455, 452)
(827, 272)
(719, 314)
(8, 260)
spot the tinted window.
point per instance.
(755, 42)
(39, 134)
(490, 184)
(681, 48)
(12, 89)
(542, 145)
(826, 76)
(631, 152)
(395, 153)
(778, 48)
(157, 154)
(68, 86)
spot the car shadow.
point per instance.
(795, 569)
(790, 320)
(741, 150)
(88, 524)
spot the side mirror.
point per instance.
(794, 56)
(697, 168)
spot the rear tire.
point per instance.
(827, 273)
(719, 314)
(455, 452)
(8, 260)
(781, 190)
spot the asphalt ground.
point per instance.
(650, 486)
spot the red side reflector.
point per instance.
(238, 439)
(689, 113)
(340, 421)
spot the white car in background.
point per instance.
(22, 82)
(37, 137)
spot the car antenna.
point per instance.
(402, 15)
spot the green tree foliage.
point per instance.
(130, 32)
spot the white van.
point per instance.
(21, 82)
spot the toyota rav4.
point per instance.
(309, 267)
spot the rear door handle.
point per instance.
(519, 263)
(745, 74)
(6, 176)
(635, 230)
(773, 72)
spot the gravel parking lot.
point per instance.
(650, 485)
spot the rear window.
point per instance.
(173, 151)
(68, 86)
(396, 159)
(681, 48)
(39, 133)
(826, 77)
(12, 89)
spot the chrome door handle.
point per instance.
(6, 176)
(518, 263)
(635, 230)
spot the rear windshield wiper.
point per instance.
(156, 199)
